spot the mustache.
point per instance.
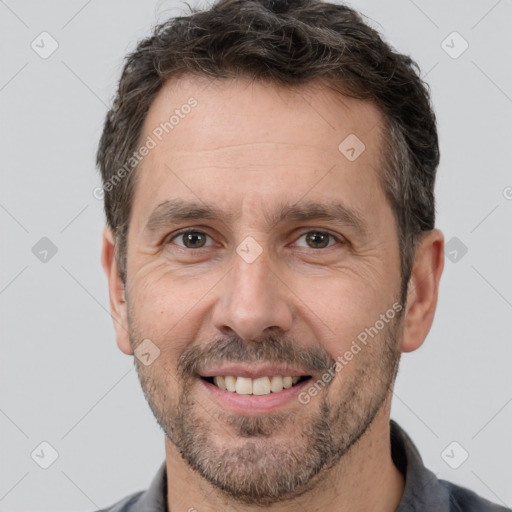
(271, 349)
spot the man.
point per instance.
(268, 169)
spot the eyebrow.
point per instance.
(177, 210)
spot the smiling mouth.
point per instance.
(259, 386)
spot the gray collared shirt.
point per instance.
(424, 492)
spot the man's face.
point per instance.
(269, 286)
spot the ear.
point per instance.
(118, 305)
(423, 290)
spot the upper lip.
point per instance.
(252, 371)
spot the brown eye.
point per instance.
(318, 239)
(191, 239)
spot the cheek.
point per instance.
(159, 299)
(343, 313)
(341, 306)
(166, 310)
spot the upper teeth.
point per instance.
(259, 386)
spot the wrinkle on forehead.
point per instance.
(269, 144)
(251, 155)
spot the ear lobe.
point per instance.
(118, 305)
(423, 290)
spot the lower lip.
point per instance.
(253, 404)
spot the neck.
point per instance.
(365, 479)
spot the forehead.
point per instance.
(256, 111)
(217, 138)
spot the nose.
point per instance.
(253, 300)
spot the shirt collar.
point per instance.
(422, 488)
(155, 498)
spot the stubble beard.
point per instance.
(263, 471)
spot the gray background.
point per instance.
(62, 378)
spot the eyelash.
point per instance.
(337, 238)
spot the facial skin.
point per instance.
(250, 149)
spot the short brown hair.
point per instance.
(287, 43)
